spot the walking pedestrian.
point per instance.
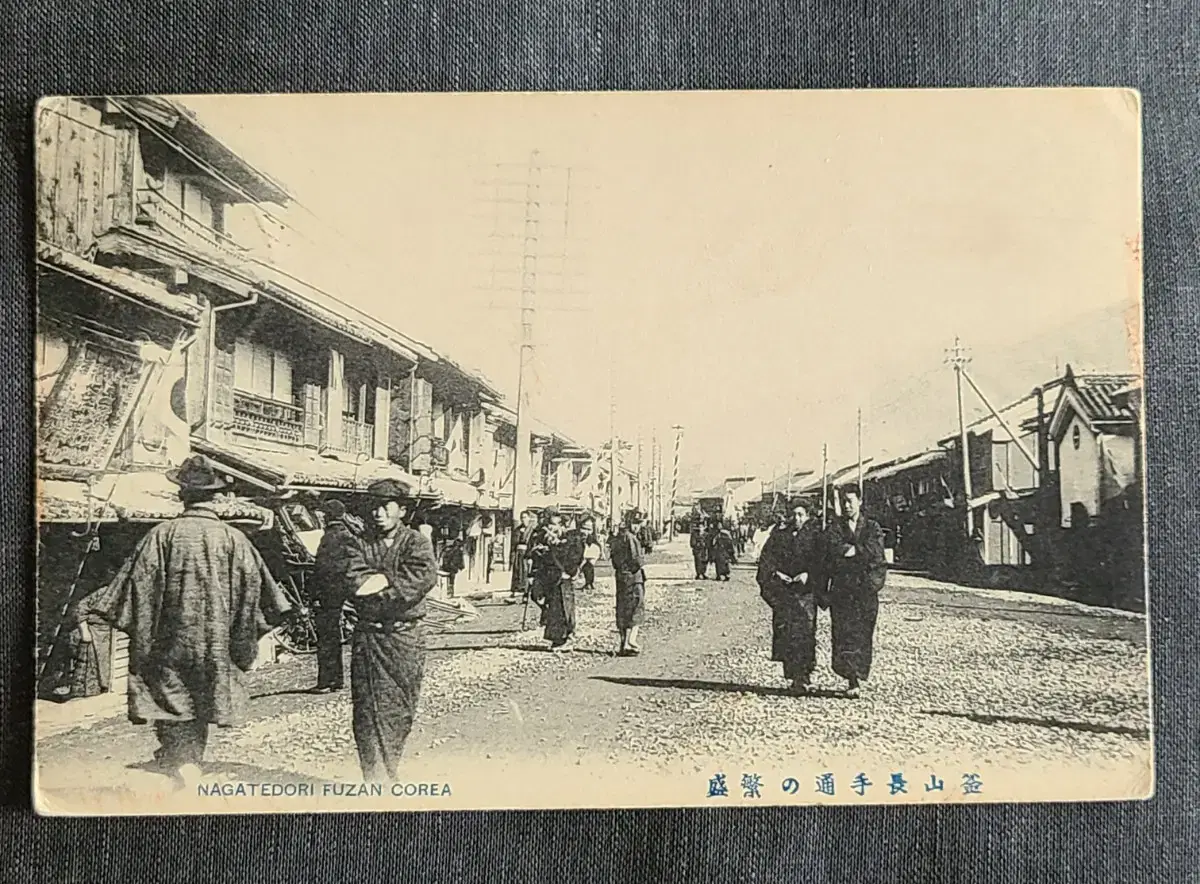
(558, 561)
(628, 561)
(788, 576)
(521, 557)
(645, 537)
(858, 571)
(394, 573)
(332, 588)
(591, 553)
(194, 598)
(698, 540)
(723, 552)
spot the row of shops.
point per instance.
(162, 333)
(1053, 500)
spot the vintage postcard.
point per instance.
(480, 451)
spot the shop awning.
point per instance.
(134, 497)
(302, 470)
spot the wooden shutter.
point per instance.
(281, 378)
(243, 365)
(422, 426)
(383, 420)
(223, 384)
(312, 415)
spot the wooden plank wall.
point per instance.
(85, 170)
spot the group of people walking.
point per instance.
(196, 597)
(803, 567)
(713, 541)
(554, 557)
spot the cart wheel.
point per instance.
(299, 634)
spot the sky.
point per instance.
(755, 267)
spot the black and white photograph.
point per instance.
(598, 450)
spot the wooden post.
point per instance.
(958, 360)
(824, 484)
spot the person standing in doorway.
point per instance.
(858, 571)
(394, 572)
(332, 589)
(788, 575)
(194, 598)
(628, 561)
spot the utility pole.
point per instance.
(824, 484)
(674, 482)
(523, 466)
(860, 464)
(959, 360)
(658, 482)
(640, 475)
(613, 457)
(652, 481)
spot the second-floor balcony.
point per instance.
(267, 419)
(357, 438)
(154, 205)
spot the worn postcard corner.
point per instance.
(589, 451)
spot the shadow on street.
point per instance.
(688, 684)
(1081, 726)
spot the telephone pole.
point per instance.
(524, 465)
(674, 482)
(658, 482)
(958, 359)
(860, 464)
(824, 484)
(640, 474)
(614, 513)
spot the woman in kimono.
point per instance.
(788, 577)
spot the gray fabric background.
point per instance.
(72, 47)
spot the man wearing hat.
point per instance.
(394, 570)
(332, 588)
(628, 561)
(194, 598)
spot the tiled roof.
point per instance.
(900, 465)
(302, 469)
(130, 284)
(1099, 396)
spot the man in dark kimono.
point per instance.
(522, 557)
(394, 573)
(332, 588)
(628, 563)
(698, 540)
(558, 560)
(788, 574)
(194, 598)
(723, 551)
(645, 535)
(858, 571)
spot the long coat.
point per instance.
(521, 562)
(792, 551)
(331, 579)
(556, 568)
(628, 563)
(387, 658)
(194, 598)
(723, 551)
(854, 593)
